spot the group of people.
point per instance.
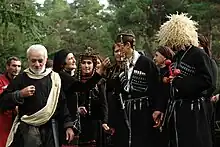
(135, 102)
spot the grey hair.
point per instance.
(37, 47)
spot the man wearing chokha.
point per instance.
(41, 102)
(136, 85)
(187, 113)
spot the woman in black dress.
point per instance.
(92, 104)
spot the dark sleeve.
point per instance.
(164, 90)
(153, 81)
(10, 98)
(104, 104)
(71, 84)
(64, 113)
(193, 86)
(68, 123)
(110, 83)
(113, 83)
(72, 104)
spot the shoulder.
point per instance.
(198, 51)
(197, 56)
(20, 76)
(3, 80)
(146, 62)
(2, 77)
(146, 59)
(214, 64)
(66, 78)
(64, 75)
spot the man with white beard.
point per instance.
(41, 102)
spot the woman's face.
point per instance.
(118, 53)
(99, 63)
(70, 62)
(159, 59)
(87, 66)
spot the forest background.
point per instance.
(75, 25)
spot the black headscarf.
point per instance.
(59, 60)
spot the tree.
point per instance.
(207, 13)
(19, 28)
(87, 28)
(141, 17)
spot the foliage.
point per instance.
(19, 27)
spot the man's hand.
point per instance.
(215, 98)
(168, 79)
(171, 79)
(157, 117)
(105, 64)
(27, 91)
(82, 110)
(69, 134)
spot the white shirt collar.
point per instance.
(135, 58)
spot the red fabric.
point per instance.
(5, 117)
(3, 83)
(5, 126)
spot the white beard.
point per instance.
(37, 72)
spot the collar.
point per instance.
(32, 75)
(132, 62)
(69, 72)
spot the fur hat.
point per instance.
(178, 31)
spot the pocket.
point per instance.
(139, 87)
